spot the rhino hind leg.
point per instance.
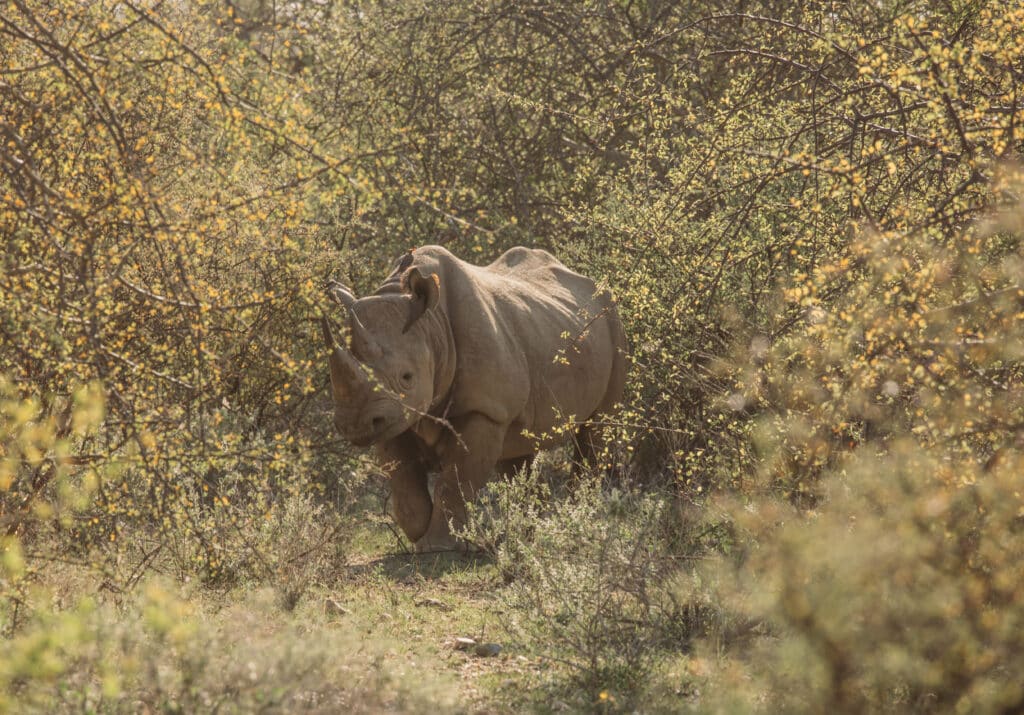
(587, 445)
(589, 456)
(588, 442)
(508, 467)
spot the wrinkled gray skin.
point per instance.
(449, 363)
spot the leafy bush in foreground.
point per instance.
(161, 653)
(886, 517)
(588, 581)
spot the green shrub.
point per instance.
(589, 582)
(163, 652)
(152, 245)
(901, 594)
(883, 522)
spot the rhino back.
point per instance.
(534, 343)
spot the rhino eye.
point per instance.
(406, 377)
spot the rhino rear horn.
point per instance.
(340, 294)
(425, 293)
(344, 297)
(325, 328)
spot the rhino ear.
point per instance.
(425, 293)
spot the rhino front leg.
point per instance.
(404, 462)
(466, 467)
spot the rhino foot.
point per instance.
(429, 544)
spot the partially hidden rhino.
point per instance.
(466, 370)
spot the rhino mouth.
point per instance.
(380, 432)
(362, 440)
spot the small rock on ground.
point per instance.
(433, 602)
(487, 650)
(333, 608)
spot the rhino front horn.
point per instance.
(347, 375)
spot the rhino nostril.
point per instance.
(377, 424)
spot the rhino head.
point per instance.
(383, 381)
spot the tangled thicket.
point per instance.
(809, 213)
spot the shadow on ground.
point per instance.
(403, 566)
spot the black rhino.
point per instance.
(449, 366)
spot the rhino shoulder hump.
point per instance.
(524, 257)
(432, 251)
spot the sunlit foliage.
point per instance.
(809, 213)
(156, 171)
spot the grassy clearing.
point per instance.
(377, 633)
(420, 604)
(378, 636)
